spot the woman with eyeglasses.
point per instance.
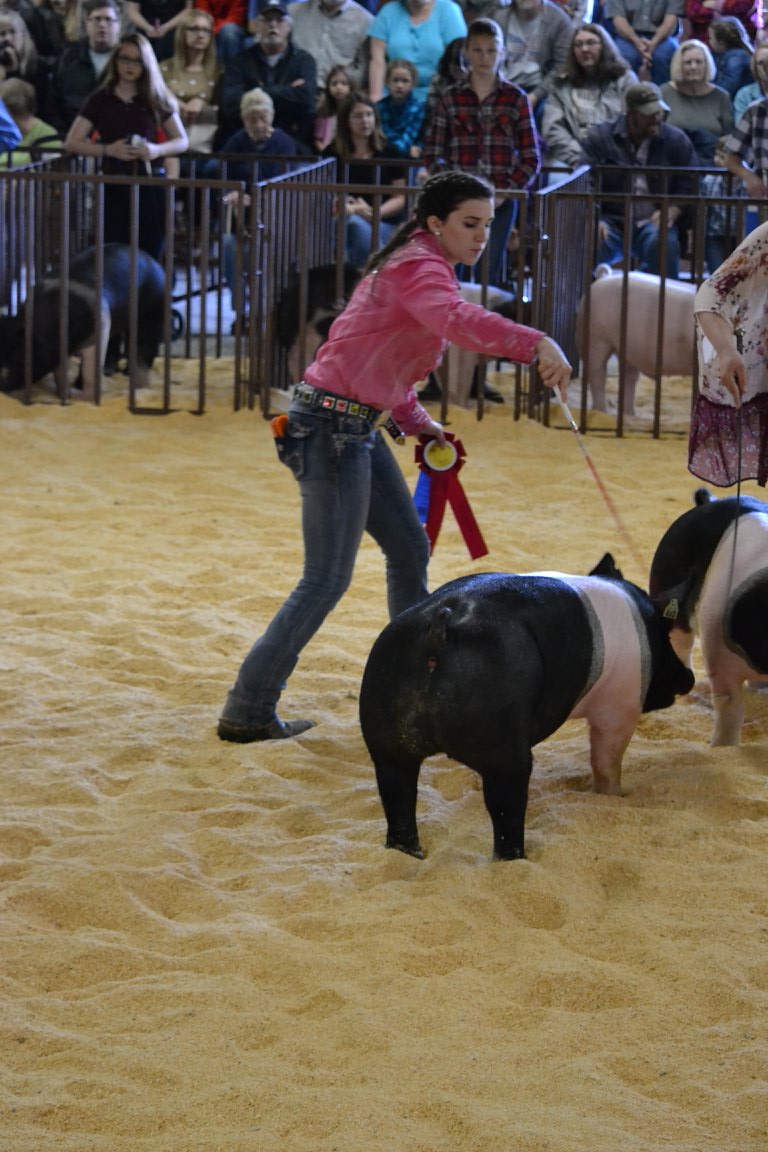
(589, 89)
(158, 20)
(193, 75)
(120, 124)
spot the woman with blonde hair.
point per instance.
(19, 57)
(193, 75)
(120, 124)
(696, 105)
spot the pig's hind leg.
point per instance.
(398, 780)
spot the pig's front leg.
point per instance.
(729, 715)
(608, 741)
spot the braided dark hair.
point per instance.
(441, 195)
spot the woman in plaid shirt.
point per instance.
(485, 125)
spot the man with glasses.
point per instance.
(80, 66)
(286, 73)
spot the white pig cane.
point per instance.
(601, 487)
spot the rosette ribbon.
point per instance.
(438, 484)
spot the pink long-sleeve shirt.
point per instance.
(396, 327)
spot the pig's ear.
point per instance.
(607, 567)
(702, 496)
(673, 604)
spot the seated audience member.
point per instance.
(158, 20)
(21, 103)
(287, 73)
(746, 149)
(702, 110)
(451, 69)
(758, 89)
(587, 91)
(58, 26)
(121, 123)
(82, 65)
(701, 13)
(333, 32)
(401, 114)
(19, 57)
(415, 30)
(647, 34)
(732, 51)
(337, 87)
(719, 236)
(255, 141)
(9, 132)
(484, 125)
(641, 140)
(193, 75)
(359, 142)
(537, 36)
(229, 25)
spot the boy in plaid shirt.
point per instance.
(485, 125)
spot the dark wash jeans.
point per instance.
(350, 482)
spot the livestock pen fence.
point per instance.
(54, 208)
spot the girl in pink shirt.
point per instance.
(392, 333)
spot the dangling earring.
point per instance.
(437, 232)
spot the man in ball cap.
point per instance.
(287, 73)
(640, 139)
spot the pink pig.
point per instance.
(603, 340)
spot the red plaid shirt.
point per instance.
(495, 137)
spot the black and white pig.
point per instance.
(489, 665)
(113, 309)
(714, 560)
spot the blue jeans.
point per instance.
(660, 61)
(230, 40)
(645, 246)
(350, 483)
(358, 238)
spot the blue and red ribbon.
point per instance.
(435, 489)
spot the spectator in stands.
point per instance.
(334, 32)
(719, 238)
(256, 140)
(59, 26)
(338, 87)
(229, 25)
(451, 69)
(588, 90)
(81, 66)
(21, 103)
(646, 34)
(131, 102)
(701, 13)
(415, 30)
(287, 73)
(733, 53)
(401, 114)
(746, 149)
(9, 132)
(537, 36)
(758, 89)
(359, 142)
(640, 139)
(484, 125)
(193, 75)
(702, 110)
(158, 20)
(19, 57)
